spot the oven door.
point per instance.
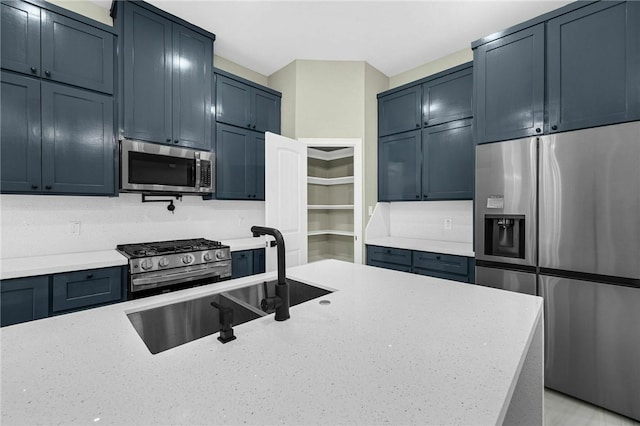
(148, 167)
(178, 276)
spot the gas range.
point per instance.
(161, 266)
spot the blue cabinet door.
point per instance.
(24, 299)
(20, 168)
(448, 161)
(20, 41)
(509, 86)
(147, 58)
(399, 167)
(258, 261)
(593, 66)
(192, 81)
(78, 143)
(233, 102)
(235, 163)
(400, 111)
(76, 53)
(265, 111)
(241, 263)
(82, 289)
(448, 98)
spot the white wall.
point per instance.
(39, 224)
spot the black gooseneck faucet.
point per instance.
(281, 300)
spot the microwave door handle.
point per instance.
(198, 169)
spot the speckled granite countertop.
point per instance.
(391, 348)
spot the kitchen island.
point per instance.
(390, 348)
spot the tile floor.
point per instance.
(562, 410)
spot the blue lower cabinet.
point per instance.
(247, 262)
(24, 299)
(241, 263)
(450, 267)
(83, 289)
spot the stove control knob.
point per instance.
(219, 254)
(163, 262)
(208, 257)
(187, 259)
(146, 264)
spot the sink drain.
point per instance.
(325, 302)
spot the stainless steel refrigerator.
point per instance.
(559, 216)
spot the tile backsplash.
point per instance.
(34, 225)
(432, 220)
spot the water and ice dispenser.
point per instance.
(504, 235)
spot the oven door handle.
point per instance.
(173, 277)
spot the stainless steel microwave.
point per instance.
(151, 167)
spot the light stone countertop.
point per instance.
(391, 348)
(68, 262)
(435, 246)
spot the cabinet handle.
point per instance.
(34, 186)
(47, 187)
(168, 139)
(249, 125)
(426, 123)
(538, 130)
(554, 127)
(34, 70)
(425, 196)
(47, 73)
(176, 141)
(438, 257)
(417, 124)
(89, 276)
(254, 126)
(417, 196)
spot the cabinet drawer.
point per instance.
(389, 255)
(241, 263)
(394, 266)
(440, 262)
(74, 290)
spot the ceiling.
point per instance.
(392, 36)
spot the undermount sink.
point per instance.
(168, 326)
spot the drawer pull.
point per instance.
(89, 276)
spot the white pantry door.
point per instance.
(285, 189)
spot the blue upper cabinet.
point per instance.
(166, 77)
(45, 44)
(233, 102)
(448, 161)
(448, 98)
(20, 148)
(247, 106)
(399, 167)
(20, 29)
(77, 141)
(238, 153)
(509, 86)
(435, 163)
(147, 75)
(593, 66)
(76, 53)
(192, 88)
(400, 111)
(573, 68)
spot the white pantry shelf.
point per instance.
(331, 232)
(330, 206)
(336, 154)
(329, 181)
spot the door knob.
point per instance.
(34, 70)
(47, 73)
(554, 127)
(538, 130)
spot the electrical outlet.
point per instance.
(74, 227)
(448, 224)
